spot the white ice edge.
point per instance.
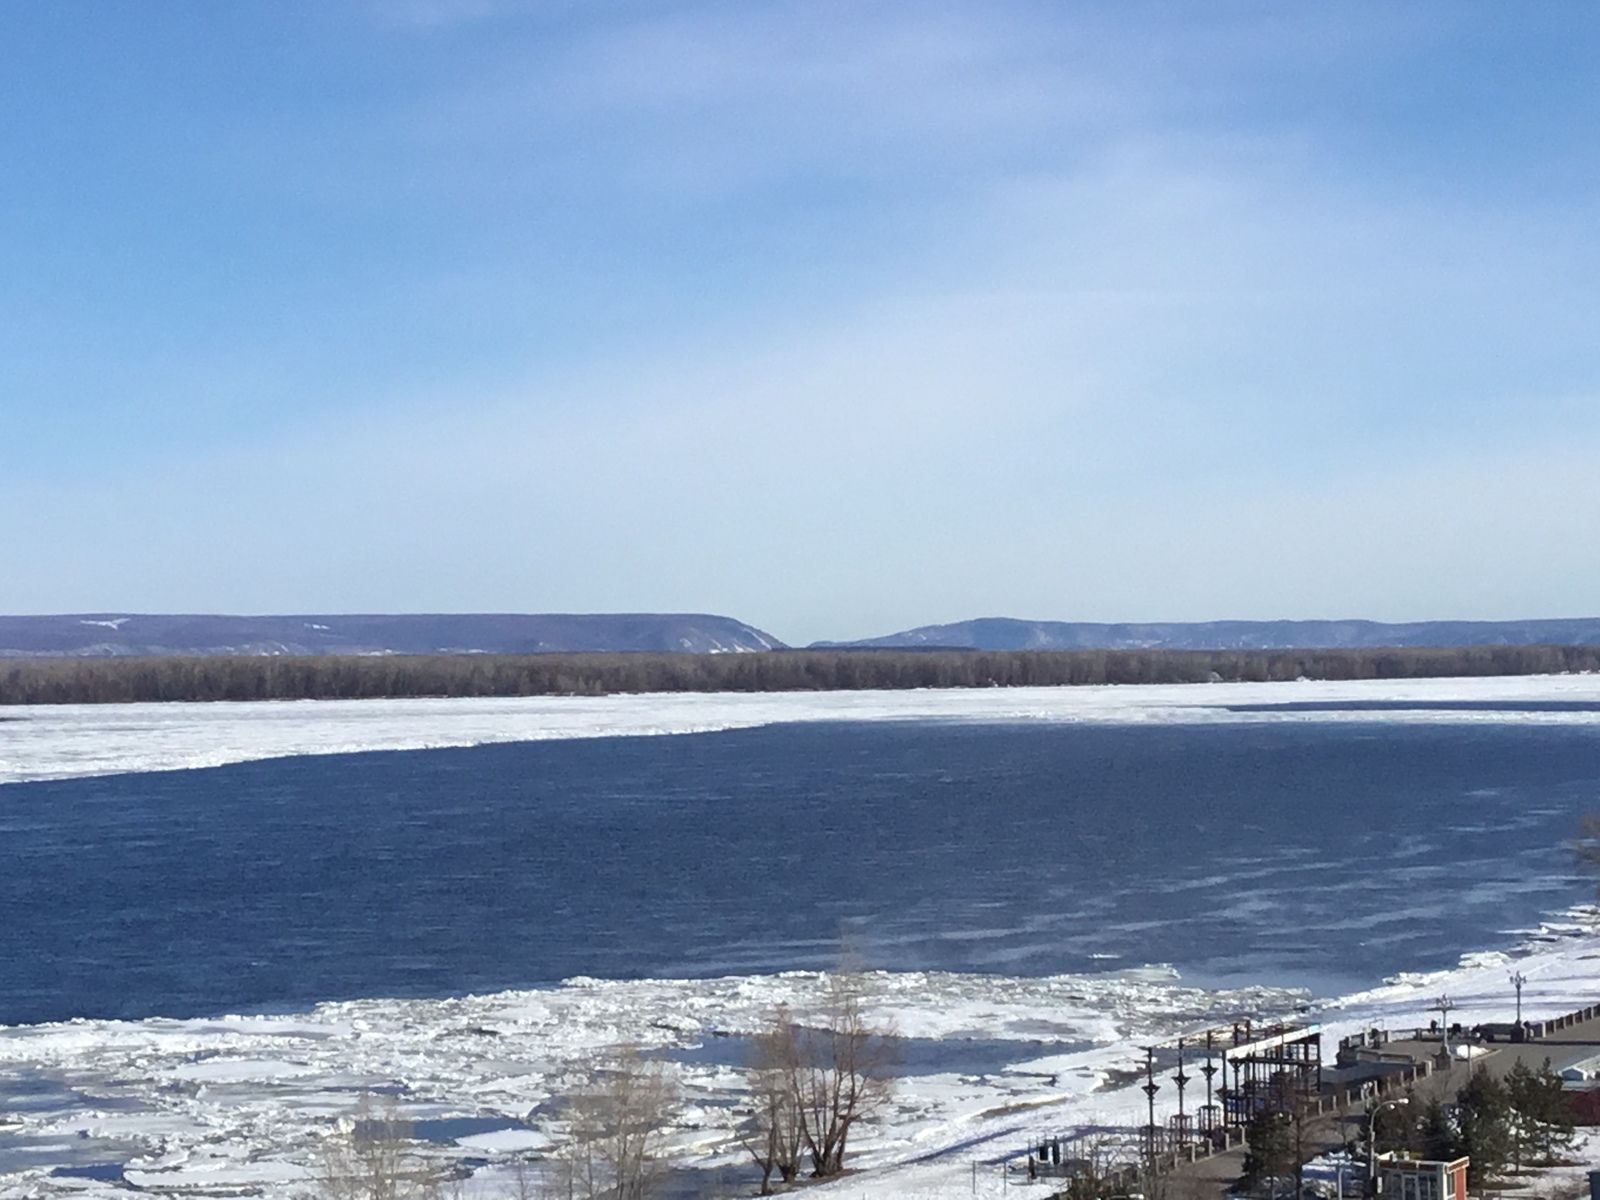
(65, 741)
(242, 1101)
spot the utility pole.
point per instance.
(1517, 980)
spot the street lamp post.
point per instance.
(1443, 1006)
(1181, 1079)
(1517, 980)
(1372, 1140)
(1150, 1087)
(1208, 1071)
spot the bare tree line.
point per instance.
(617, 1119)
(372, 1156)
(111, 680)
(812, 1083)
(812, 1080)
(618, 1113)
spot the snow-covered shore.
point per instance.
(206, 1106)
(66, 741)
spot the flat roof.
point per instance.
(1274, 1041)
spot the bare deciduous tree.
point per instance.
(839, 1071)
(371, 1157)
(524, 1181)
(772, 1134)
(619, 1118)
(1099, 1159)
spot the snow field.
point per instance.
(67, 741)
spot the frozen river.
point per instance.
(1063, 870)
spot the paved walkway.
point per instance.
(1212, 1177)
(1562, 1048)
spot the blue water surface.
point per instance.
(1300, 852)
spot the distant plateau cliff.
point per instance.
(114, 635)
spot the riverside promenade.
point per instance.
(1339, 1117)
(1334, 1121)
(1564, 1041)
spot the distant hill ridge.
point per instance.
(130, 635)
(119, 635)
(1006, 633)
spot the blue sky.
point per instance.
(836, 317)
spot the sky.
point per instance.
(839, 318)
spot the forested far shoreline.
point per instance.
(335, 677)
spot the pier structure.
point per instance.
(1251, 1070)
(1273, 1070)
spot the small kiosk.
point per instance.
(1401, 1178)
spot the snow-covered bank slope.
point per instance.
(57, 742)
(241, 1102)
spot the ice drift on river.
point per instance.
(237, 1105)
(58, 742)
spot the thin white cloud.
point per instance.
(1042, 452)
(1124, 356)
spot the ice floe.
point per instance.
(64, 741)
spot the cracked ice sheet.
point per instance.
(67, 741)
(241, 1103)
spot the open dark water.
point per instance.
(1317, 854)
